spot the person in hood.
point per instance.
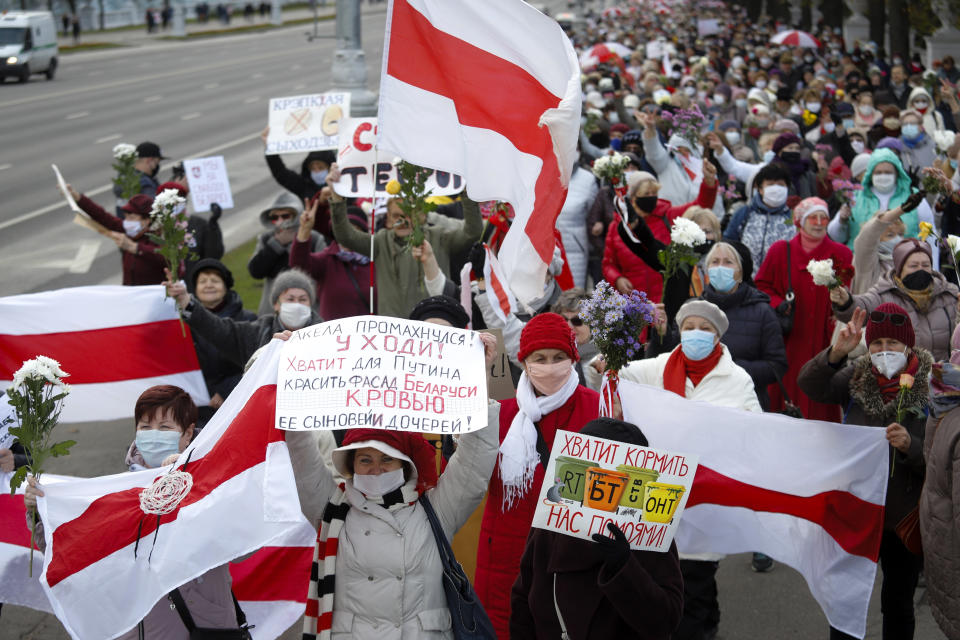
(921, 101)
(919, 148)
(146, 166)
(271, 256)
(142, 264)
(293, 298)
(211, 282)
(870, 388)
(549, 399)
(765, 219)
(311, 180)
(914, 284)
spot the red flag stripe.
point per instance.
(110, 522)
(484, 88)
(13, 519)
(98, 355)
(854, 523)
(273, 573)
(502, 299)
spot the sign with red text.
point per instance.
(595, 481)
(208, 182)
(382, 373)
(364, 173)
(306, 123)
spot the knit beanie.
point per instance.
(293, 279)
(784, 139)
(443, 307)
(618, 430)
(887, 329)
(548, 331)
(707, 310)
(860, 164)
(210, 264)
(140, 204)
(904, 249)
(807, 207)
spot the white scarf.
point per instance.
(518, 452)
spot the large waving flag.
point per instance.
(807, 493)
(491, 91)
(114, 341)
(107, 563)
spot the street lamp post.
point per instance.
(349, 68)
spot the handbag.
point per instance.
(468, 619)
(201, 633)
(789, 409)
(908, 530)
(785, 313)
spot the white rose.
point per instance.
(822, 272)
(687, 233)
(953, 242)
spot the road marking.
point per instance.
(101, 189)
(251, 100)
(86, 254)
(297, 87)
(257, 75)
(212, 85)
(95, 73)
(4, 167)
(190, 116)
(78, 114)
(153, 99)
(112, 136)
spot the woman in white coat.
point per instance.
(377, 572)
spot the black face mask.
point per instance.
(918, 280)
(646, 204)
(156, 170)
(790, 157)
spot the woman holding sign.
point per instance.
(549, 398)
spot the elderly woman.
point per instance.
(165, 419)
(701, 368)
(784, 272)
(870, 389)
(912, 283)
(386, 569)
(549, 399)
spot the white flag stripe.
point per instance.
(270, 619)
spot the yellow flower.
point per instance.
(393, 187)
(809, 117)
(925, 229)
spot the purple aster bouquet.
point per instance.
(616, 323)
(686, 123)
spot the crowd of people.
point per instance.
(782, 155)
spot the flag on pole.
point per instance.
(107, 563)
(498, 293)
(115, 342)
(491, 91)
(807, 493)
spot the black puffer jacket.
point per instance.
(219, 373)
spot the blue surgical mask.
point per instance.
(910, 131)
(696, 344)
(721, 278)
(155, 445)
(319, 177)
(953, 164)
(768, 155)
(848, 123)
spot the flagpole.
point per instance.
(373, 215)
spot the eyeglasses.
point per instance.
(280, 216)
(575, 321)
(896, 319)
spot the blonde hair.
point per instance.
(731, 249)
(703, 216)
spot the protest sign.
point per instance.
(499, 380)
(80, 216)
(708, 26)
(63, 190)
(385, 373)
(363, 171)
(208, 182)
(595, 481)
(7, 419)
(306, 123)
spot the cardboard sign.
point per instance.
(708, 26)
(306, 123)
(499, 381)
(382, 373)
(591, 481)
(208, 182)
(365, 173)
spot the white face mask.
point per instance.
(774, 196)
(155, 445)
(294, 315)
(761, 84)
(813, 107)
(889, 363)
(690, 91)
(829, 126)
(741, 103)
(733, 137)
(884, 182)
(866, 109)
(857, 146)
(719, 99)
(132, 227)
(375, 486)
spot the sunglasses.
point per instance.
(280, 216)
(575, 321)
(896, 319)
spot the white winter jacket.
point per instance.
(675, 185)
(572, 222)
(388, 577)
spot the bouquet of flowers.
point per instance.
(823, 273)
(934, 180)
(168, 225)
(951, 243)
(127, 180)
(679, 255)
(610, 169)
(37, 406)
(412, 193)
(686, 123)
(616, 322)
(846, 191)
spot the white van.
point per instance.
(28, 44)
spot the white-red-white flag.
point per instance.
(807, 493)
(490, 91)
(498, 292)
(115, 342)
(107, 562)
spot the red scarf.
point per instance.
(890, 387)
(680, 367)
(808, 242)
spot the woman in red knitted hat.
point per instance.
(889, 380)
(376, 563)
(549, 398)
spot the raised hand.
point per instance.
(847, 339)
(176, 290)
(709, 173)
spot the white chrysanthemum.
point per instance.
(822, 272)
(687, 233)
(52, 365)
(124, 150)
(40, 368)
(953, 242)
(167, 201)
(944, 140)
(619, 161)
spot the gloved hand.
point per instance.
(215, 211)
(615, 550)
(913, 201)
(478, 258)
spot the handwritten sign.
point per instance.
(208, 182)
(384, 373)
(363, 171)
(499, 381)
(306, 123)
(592, 481)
